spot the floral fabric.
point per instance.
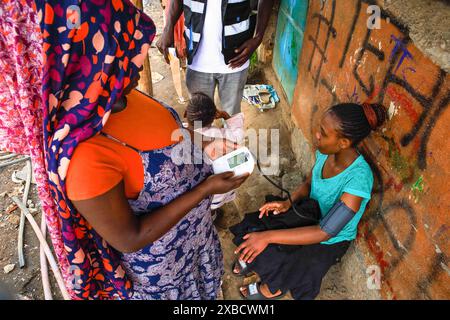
(185, 263)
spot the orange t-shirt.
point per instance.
(100, 163)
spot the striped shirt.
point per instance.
(237, 20)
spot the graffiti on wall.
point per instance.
(346, 61)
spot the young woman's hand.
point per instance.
(223, 182)
(276, 206)
(254, 244)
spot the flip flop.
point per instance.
(255, 294)
(244, 272)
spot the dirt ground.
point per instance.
(26, 282)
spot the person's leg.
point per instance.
(231, 88)
(200, 82)
(269, 266)
(306, 282)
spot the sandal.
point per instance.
(255, 294)
(244, 272)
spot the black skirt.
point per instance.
(298, 269)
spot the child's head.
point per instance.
(200, 108)
(347, 124)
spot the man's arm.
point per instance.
(166, 40)
(264, 11)
(247, 48)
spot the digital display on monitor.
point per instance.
(238, 159)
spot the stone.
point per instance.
(18, 191)
(156, 77)
(21, 175)
(9, 267)
(285, 162)
(14, 220)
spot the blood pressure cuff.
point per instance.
(337, 218)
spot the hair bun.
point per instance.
(375, 113)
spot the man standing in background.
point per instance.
(221, 36)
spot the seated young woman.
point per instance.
(341, 182)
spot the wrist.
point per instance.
(268, 236)
(203, 189)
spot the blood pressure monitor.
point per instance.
(240, 161)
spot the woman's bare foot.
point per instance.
(263, 288)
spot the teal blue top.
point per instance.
(356, 179)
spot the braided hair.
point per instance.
(357, 121)
(201, 108)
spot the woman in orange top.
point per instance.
(131, 189)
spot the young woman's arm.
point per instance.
(256, 242)
(112, 218)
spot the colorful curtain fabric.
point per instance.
(91, 50)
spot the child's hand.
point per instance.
(277, 207)
(219, 147)
(222, 114)
(254, 244)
